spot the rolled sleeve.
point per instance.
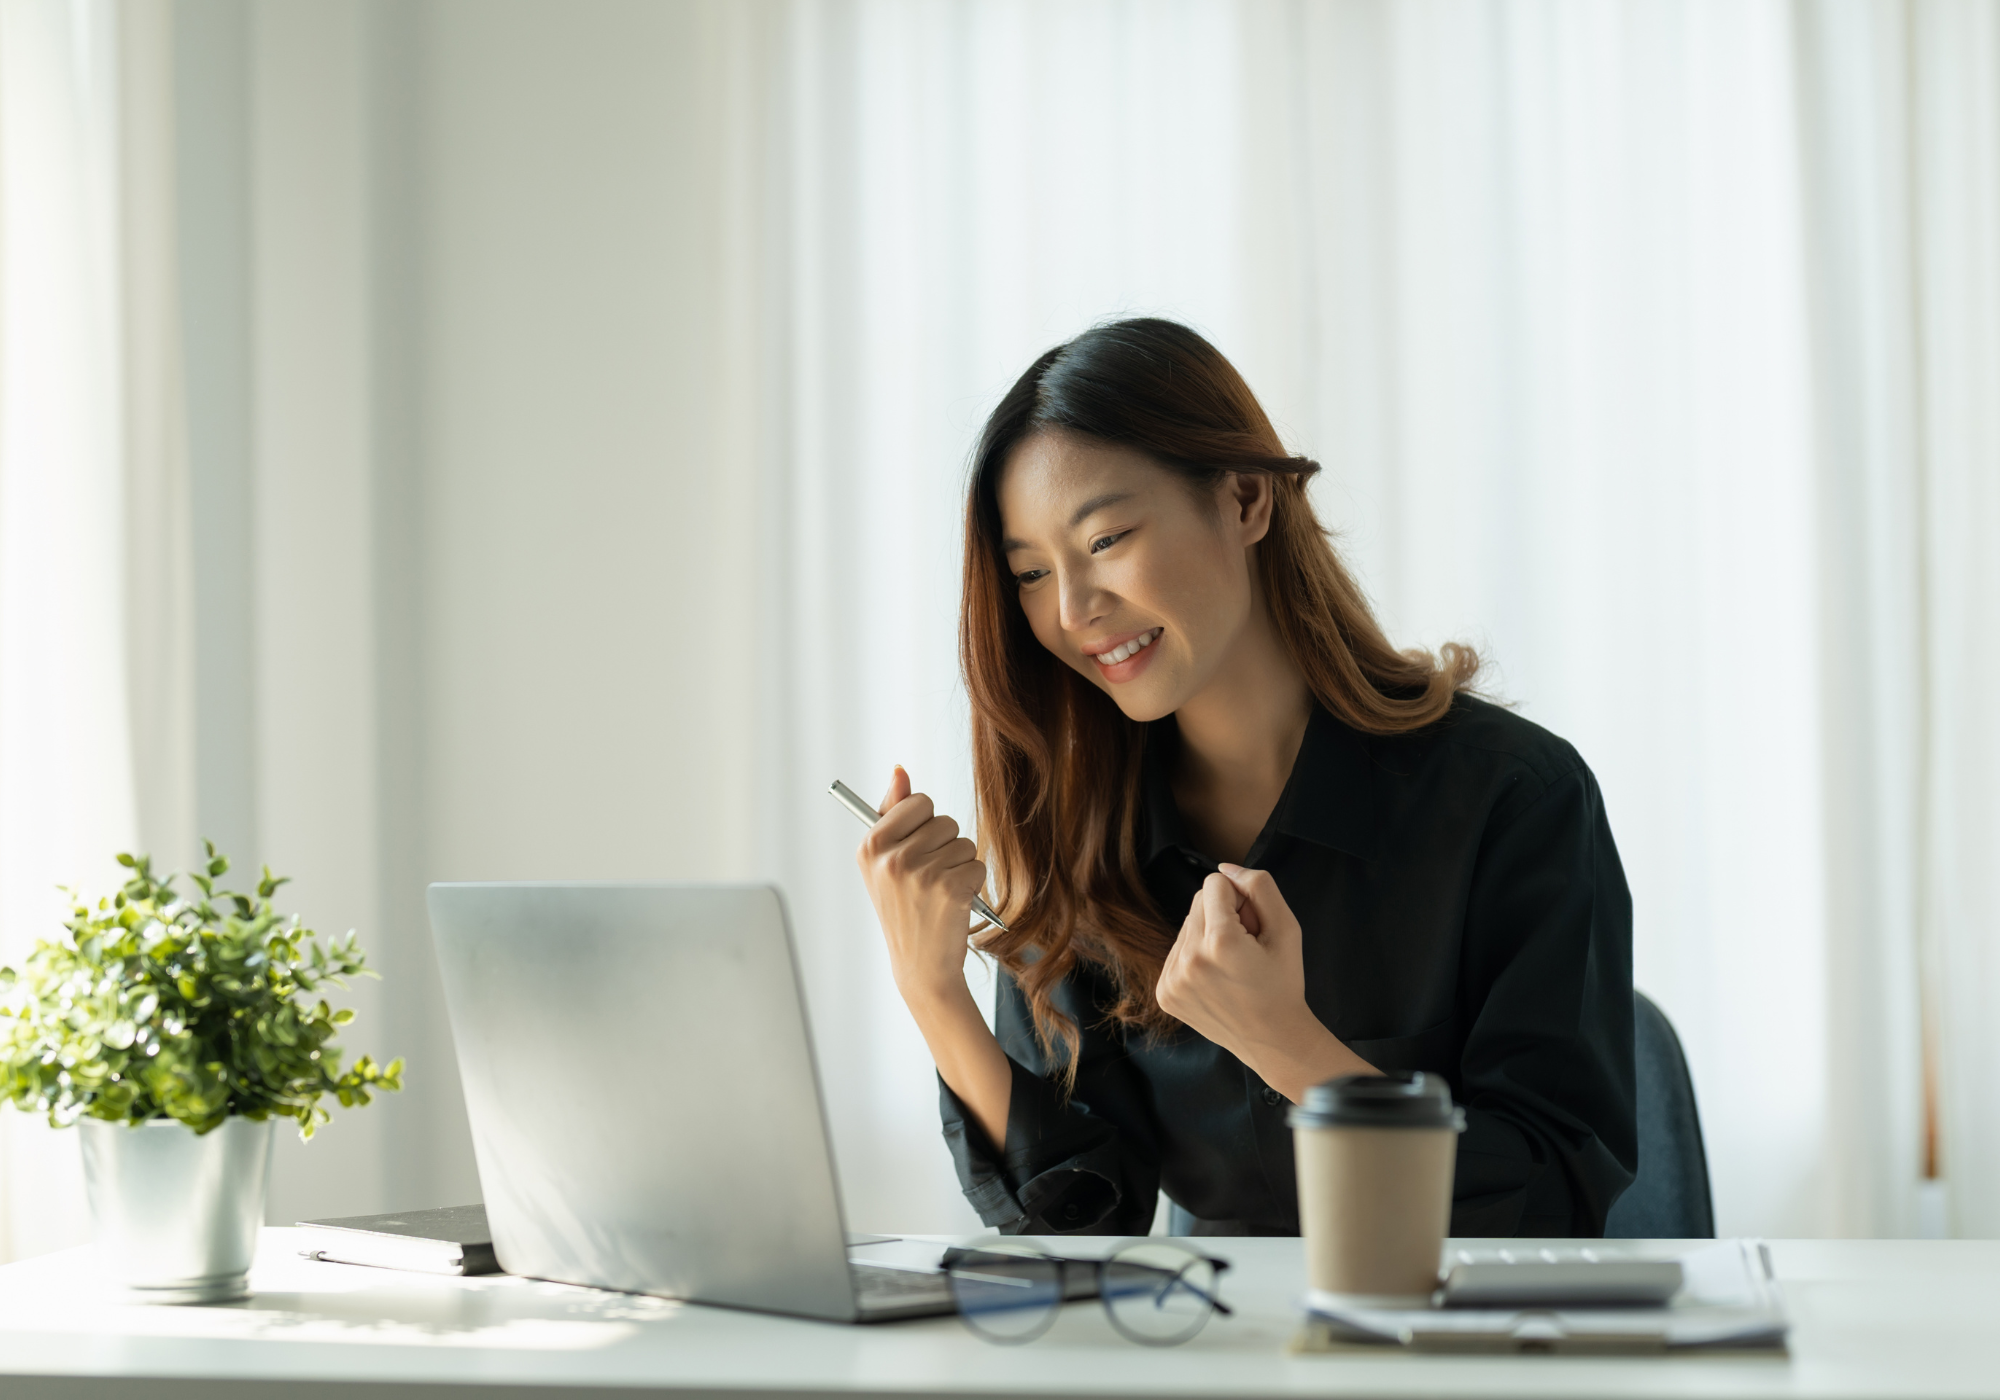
(1069, 1165)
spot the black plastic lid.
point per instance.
(1414, 1100)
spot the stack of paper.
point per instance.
(1728, 1298)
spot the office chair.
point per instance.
(1670, 1197)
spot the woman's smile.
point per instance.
(1134, 579)
(1123, 658)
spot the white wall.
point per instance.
(311, 584)
(590, 600)
(495, 600)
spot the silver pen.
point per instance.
(857, 804)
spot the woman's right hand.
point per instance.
(922, 876)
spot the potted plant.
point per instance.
(175, 1030)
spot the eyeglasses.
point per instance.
(1156, 1294)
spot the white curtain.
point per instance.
(65, 759)
(1555, 355)
(66, 796)
(93, 504)
(1952, 223)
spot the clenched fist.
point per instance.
(922, 876)
(1236, 974)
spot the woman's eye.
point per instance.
(1027, 576)
(1099, 546)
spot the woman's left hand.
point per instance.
(1236, 974)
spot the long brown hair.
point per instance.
(1055, 762)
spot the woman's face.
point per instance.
(1137, 579)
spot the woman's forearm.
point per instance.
(1294, 1056)
(922, 877)
(968, 1058)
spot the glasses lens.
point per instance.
(1158, 1294)
(1005, 1293)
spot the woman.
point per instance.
(1242, 845)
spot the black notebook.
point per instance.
(448, 1240)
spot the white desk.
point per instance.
(1870, 1318)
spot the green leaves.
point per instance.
(160, 1006)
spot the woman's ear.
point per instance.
(1247, 499)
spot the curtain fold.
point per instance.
(1954, 212)
(96, 697)
(1855, 130)
(158, 488)
(66, 793)
(1900, 137)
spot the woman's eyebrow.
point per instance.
(1077, 517)
(1095, 504)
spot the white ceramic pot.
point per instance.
(176, 1215)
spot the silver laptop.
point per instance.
(645, 1108)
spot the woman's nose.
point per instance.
(1084, 602)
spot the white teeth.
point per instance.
(1129, 649)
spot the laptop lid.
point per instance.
(645, 1107)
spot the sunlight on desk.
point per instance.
(303, 1300)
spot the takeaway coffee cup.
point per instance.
(1375, 1156)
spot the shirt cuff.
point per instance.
(1058, 1173)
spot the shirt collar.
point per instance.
(1329, 799)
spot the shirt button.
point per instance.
(1273, 1097)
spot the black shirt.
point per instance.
(1463, 912)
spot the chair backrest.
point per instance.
(1669, 1199)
